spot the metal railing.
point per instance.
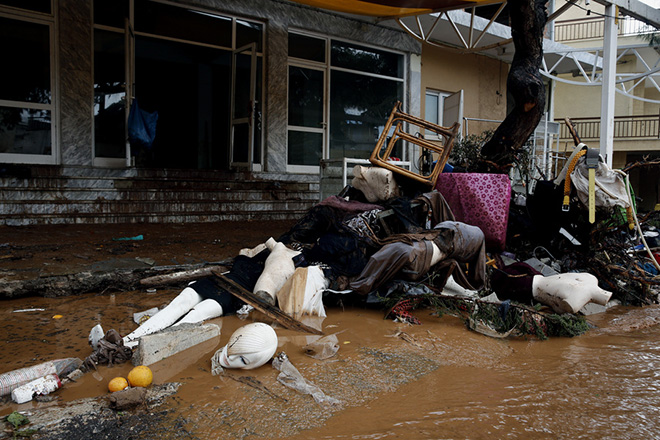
(630, 127)
(584, 29)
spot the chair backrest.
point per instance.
(397, 119)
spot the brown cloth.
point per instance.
(437, 206)
(110, 351)
(408, 256)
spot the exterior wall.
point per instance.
(75, 72)
(74, 80)
(76, 191)
(480, 77)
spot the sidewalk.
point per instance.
(28, 252)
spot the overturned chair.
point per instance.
(440, 149)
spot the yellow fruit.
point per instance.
(140, 376)
(117, 384)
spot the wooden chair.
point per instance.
(397, 119)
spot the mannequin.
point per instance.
(448, 245)
(568, 292)
(249, 347)
(189, 305)
(278, 268)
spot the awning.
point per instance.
(393, 8)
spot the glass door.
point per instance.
(243, 107)
(307, 120)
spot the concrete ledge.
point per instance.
(159, 346)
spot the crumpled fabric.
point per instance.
(514, 282)
(408, 288)
(345, 252)
(364, 224)
(348, 207)
(290, 377)
(110, 351)
(302, 293)
(404, 260)
(438, 208)
(610, 187)
(409, 256)
(463, 244)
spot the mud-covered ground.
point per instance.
(388, 379)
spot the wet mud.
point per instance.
(392, 380)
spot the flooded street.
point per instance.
(446, 382)
(435, 380)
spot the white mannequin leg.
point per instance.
(179, 306)
(207, 309)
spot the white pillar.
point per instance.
(608, 89)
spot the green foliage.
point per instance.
(502, 318)
(466, 152)
(17, 420)
(652, 38)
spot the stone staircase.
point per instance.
(33, 195)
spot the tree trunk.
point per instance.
(524, 84)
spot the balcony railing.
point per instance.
(628, 127)
(584, 29)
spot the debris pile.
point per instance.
(510, 263)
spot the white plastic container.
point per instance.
(41, 386)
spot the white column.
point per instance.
(608, 89)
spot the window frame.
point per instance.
(49, 20)
(441, 95)
(130, 34)
(329, 68)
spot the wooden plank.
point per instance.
(271, 311)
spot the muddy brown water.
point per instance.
(437, 380)
(447, 382)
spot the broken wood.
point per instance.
(89, 280)
(271, 311)
(571, 128)
(180, 277)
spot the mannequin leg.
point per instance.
(207, 309)
(179, 306)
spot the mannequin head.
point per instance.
(249, 347)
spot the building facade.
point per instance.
(262, 88)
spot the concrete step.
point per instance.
(146, 194)
(189, 217)
(46, 194)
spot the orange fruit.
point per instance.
(117, 384)
(140, 376)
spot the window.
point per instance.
(340, 97)
(176, 61)
(365, 84)
(109, 95)
(306, 116)
(434, 112)
(27, 111)
(43, 6)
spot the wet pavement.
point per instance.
(393, 380)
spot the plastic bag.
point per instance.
(290, 376)
(141, 126)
